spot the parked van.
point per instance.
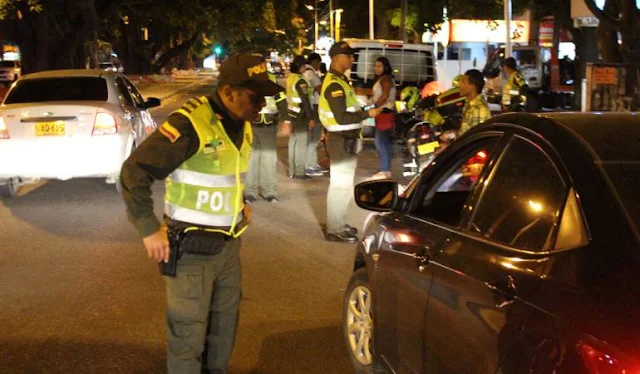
(413, 65)
(10, 71)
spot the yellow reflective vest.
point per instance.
(324, 110)
(294, 101)
(207, 190)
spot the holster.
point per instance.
(352, 143)
(175, 238)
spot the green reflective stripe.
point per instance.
(296, 100)
(295, 109)
(514, 92)
(204, 180)
(197, 218)
(271, 107)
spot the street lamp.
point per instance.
(315, 23)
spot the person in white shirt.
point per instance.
(312, 75)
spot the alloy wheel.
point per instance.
(360, 325)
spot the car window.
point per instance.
(123, 91)
(58, 89)
(7, 64)
(522, 199)
(445, 200)
(135, 94)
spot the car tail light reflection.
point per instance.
(597, 361)
(105, 125)
(4, 131)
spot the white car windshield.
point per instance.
(58, 89)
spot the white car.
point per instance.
(67, 124)
(10, 71)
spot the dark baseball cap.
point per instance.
(510, 62)
(341, 48)
(249, 70)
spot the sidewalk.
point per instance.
(165, 86)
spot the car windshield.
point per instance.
(7, 64)
(58, 89)
(626, 180)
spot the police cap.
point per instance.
(249, 70)
(341, 48)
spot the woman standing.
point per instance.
(384, 96)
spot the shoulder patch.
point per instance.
(169, 132)
(337, 93)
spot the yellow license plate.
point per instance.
(50, 128)
(427, 148)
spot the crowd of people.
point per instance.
(217, 155)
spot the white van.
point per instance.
(412, 64)
(10, 71)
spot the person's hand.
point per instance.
(246, 211)
(157, 245)
(285, 128)
(312, 124)
(374, 112)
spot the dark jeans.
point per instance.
(385, 151)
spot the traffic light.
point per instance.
(217, 50)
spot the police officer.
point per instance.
(262, 172)
(516, 84)
(341, 114)
(301, 115)
(203, 151)
(312, 75)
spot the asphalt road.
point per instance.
(78, 294)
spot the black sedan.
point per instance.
(516, 251)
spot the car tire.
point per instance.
(356, 325)
(10, 188)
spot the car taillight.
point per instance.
(4, 131)
(599, 361)
(105, 125)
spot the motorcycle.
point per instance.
(436, 120)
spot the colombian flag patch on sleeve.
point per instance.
(169, 132)
(337, 93)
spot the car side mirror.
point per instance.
(152, 102)
(378, 195)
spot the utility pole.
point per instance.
(315, 42)
(403, 24)
(371, 32)
(507, 20)
(331, 18)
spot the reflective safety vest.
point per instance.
(324, 110)
(294, 101)
(207, 190)
(271, 109)
(512, 87)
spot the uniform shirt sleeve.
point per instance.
(154, 159)
(335, 95)
(302, 86)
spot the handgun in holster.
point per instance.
(169, 268)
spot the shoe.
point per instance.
(351, 230)
(250, 199)
(320, 169)
(303, 177)
(382, 175)
(343, 237)
(312, 172)
(271, 199)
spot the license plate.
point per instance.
(50, 128)
(427, 148)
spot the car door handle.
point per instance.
(504, 291)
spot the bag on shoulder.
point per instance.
(385, 121)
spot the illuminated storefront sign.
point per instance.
(488, 31)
